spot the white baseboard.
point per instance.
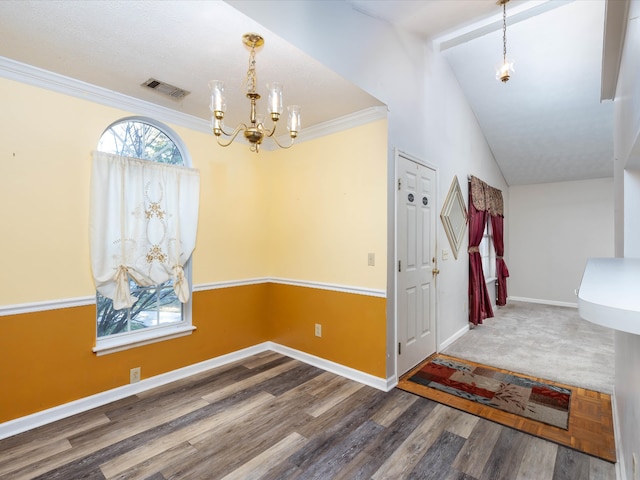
(620, 464)
(22, 424)
(453, 338)
(44, 417)
(544, 302)
(338, 369)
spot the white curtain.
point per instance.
(143, 223)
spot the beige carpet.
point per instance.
(543, 341)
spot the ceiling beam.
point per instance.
(615, 27)
(494, 23)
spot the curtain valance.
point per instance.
(143, 223)
(486, 198)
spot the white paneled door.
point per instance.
(415, 269)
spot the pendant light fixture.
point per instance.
(504, 71)
(255, 131)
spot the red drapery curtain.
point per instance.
(502, 272)
(479, 301)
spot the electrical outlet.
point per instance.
(371, 260)
(318, 330)
(134, 375)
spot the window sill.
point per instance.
(490, 279)
(125, 342)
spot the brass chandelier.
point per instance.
(255, 131)
(504, 71)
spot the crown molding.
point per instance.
(41, 78)
(336, 125)
(38, 77)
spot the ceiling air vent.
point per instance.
(166, 89)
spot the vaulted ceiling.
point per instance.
(546, 124)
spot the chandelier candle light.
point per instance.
(255, 132)
(504, 71)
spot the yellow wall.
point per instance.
(353, 326)
(328, 206)
(46, 151)
(311, 213)
(46, 358)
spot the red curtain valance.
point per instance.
(486, 198)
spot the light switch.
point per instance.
(445, 254)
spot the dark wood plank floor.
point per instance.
(271, 417)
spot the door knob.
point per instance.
(435, 271)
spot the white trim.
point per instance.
(543, 302)
(91, 300)
(229, 284)
(330, 286)
(46, 305)
(340, 124)
(118, 343)
(21, 72)
(22, 424)
(620, 463)
(24, 73)
(453, 338)
(296, 283)
(336, 368)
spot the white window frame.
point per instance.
(136, 338)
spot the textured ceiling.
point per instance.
(119, 44)
(545, 125)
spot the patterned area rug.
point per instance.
(508, 392)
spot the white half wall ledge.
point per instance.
(608, 294)
(44, 417)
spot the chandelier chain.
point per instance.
(504, 31)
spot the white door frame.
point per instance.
(400, 153)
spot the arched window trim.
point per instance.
(168, 131)
(126, 340)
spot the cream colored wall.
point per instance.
(310, 213)
(327, 209)
(333, 187)
(554, 228)
(44, 189)
(232, 221)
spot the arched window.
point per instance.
(157, 311)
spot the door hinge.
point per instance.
(399, 265)
(399, 184)
(399, 348)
